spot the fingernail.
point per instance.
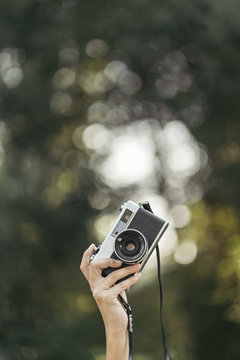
(137, 276)
(137, 266)
(118, 261)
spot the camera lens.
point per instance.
(130, 246)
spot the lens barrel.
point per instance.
(130, 246)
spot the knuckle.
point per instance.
(94, 264)
(98, 296)
(122, 284)
(95, 294)
(81, 267)
(85, 253)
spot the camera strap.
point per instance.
(128, 309)
(130, 325)
(147, 206)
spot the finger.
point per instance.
(124, 285)
(96, 267)
(112, 278)
(86, 259)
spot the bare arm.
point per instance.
(105, 293)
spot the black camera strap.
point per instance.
(128, 309)
(165, 350)
(147, 206)
(130, 325)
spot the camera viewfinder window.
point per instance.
(126, 216)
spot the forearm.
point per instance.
(106, 292)
(117, 347)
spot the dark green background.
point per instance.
(46, 310)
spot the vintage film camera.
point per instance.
(132, 238)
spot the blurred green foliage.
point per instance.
(51, 72)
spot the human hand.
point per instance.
(105, 290)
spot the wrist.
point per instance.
(116, 344)
(113, 331)
(115, 325)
